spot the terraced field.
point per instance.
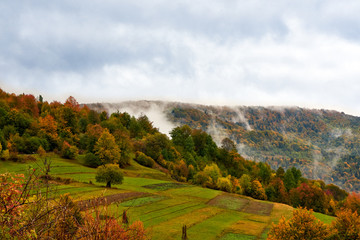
(165, 205)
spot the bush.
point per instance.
(5, 155)
(91, 160)
(224, 184)
(109, 174)
(144, 160)
(68, 151)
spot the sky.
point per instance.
(249, 52)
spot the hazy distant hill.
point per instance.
(324, 144)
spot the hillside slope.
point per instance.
(164, 205)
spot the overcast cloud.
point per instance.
(303, 53)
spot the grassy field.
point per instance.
(165, 205)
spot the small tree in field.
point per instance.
(109, 174)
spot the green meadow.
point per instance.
(164, 205)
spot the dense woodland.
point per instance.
(29, 125)
(323, 144)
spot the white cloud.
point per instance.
(230, 52)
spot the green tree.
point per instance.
(109, 174)
(280, 172)
(106, 148)
(289, 180)
(264, 173)
(213, 172)
(245, 183)
(91, 160)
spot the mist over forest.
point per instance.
(324, 144)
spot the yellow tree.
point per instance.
(346, 226)
(106, 148)
(302, 226)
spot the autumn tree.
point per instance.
(109, 174)
(91, 136)
(122, 139)
(302, 226)
(346, 226)
(107, 149)
(257, 190)
(245, 183)
(309, 196)
(353, 202)
(276, 191)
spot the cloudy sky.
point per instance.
(249, 52)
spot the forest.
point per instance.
(30, 125)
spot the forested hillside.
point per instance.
(324, 144)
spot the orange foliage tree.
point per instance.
(303, 225)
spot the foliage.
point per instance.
(346, 226)
(303, 225)
(257, 191)
(107, 149)
(109, 174)
(224, 184)
(91, 160)
(245, 183)
(309, 196)
(68, 151)
(144, 160)
(101, 223)
(352, 202)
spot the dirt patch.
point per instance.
(229, 202)
(259, 208)
(165, 186)
(242, 204)
(120, 197)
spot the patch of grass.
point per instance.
(195, 191)
(247, 227)
(169, 212)
(141, 201)
(212, 228)
(172, 228)
(280, 210)
(134, 181)
(137, 170)
(237, 236)
(165, 186)
(324, 218)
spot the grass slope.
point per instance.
(165, 205)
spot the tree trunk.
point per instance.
(108, 184)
